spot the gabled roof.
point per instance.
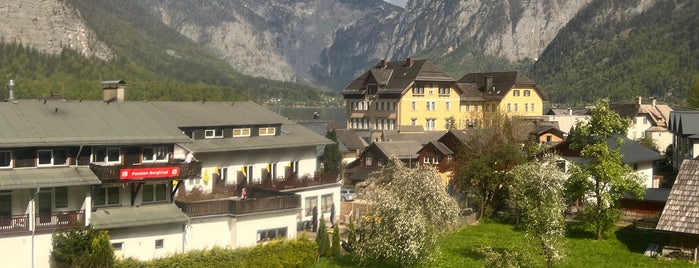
(568, 111)
(350, 139)
(225, 114)
(30, 122)
(685, 123)
(400, 149)
(681, 212)
(397, 77)
(420, 137)
(658, 114)
(440, 147)
(503, 82)
(631, 151)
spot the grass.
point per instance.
(623, 248)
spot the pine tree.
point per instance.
(322, 239)
(336, 247)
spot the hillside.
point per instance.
(606, 52)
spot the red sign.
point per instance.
(149, 173)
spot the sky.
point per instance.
(400, 3)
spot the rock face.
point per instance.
(49, 26)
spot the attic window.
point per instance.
(515, 93)
(418, 90)
(443, 91)
(371, 89)
(213, 133)
(267, 131)
(527, 93)
(241, 132)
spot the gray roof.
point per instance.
(350, 139)
(21, 178)
(440, 147)
(633, 152)
(220, 114)
(400, 149)
(503, 82)
(421, 137)
(397, 77)
(681, 212)
(121, 217)
(684, 123)
(28, 122)
(658, 195)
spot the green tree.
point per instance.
(332, 159)
(322, 239)
(409, 207)
(537, 192)
(84, 247)
(336, 248)
(602, 180)
(693, 99)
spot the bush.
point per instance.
(84, 247)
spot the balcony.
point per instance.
(60, 220)
(111, 173)
(259, 200)
(294, 182)
(14, 224)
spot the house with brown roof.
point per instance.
(678, 225)
(378, 154)
(647, 120)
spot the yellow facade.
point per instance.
(521, 101)
(429, 106)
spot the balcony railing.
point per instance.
(14, 224)
(259, 200)
(108, 173)
(294, 182)
(60, 219)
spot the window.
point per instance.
(159, 243)
(430, 123)
(326, 202)
(154, 193)
(548, 138)
(52, 198)
(107, 155)
(635, 166)
(426, 159)
(213, 133)
(155, 154)
(468, 107)
(509, 107)
(533, 110)
(368, 161)
(241, 132)
(448, 105)
(6, 203)
(418, 90)
(270, 234)
(516, 109)
(413, 121)
(435, 159)
(486, 107)
(430, 105)
(106, 196)
(414, 106)
(5, 159)
(527, 93)
(444, 91)
(371, 89)
(49, 157)
(526, 107)
(515, 92)
(267, 131)
(118, 246)
(311, 202)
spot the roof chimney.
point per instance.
(639, 100)
(409, 61)
(489, 83)
(113, 90)
(11, 90)
(383, 63)
(652, 101)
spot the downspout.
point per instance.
(77, 155)
(32, 219)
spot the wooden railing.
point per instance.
(294, 182)
(259, 200)
(108, 173)
(60, 219)
(14, 224)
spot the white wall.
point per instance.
(317, 192)
(206, 233)
(139, 241)
(646, 170)
(17, 251)
(247, 226)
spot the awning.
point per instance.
(144, 215)
(357, 115)
(19, 178)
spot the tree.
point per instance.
(409, 207)
(537, 192)
(601, 182)
(85, 247)
(322, 239)
(336, 248)
(332, 159)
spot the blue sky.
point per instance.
(400, 3)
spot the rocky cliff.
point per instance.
(49, 26)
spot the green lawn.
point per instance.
(459, 249)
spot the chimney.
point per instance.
(113, 90)
(570, 111)
(383, 63)
(489, 83)
(11, 90)
(639, 100)
(409, 61)
(652, 101)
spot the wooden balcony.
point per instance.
(259, 200)
(14, 224)
(60, 220)
(294, 182)
(111, 173)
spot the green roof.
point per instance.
(121, 217)
(27, 178)
(60, 123)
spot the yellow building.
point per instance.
(405, 93)
(417, 93)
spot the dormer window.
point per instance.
(241, 132)
(213, 133)
(267, 131)
(107, 155)
(444, 91)
(371, 89)
(418, 90)
(5, 159)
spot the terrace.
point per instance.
(259, 200)
(19, 224)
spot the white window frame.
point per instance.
(268, 131)
(515, 93)
(158, 154)
(107, 190)
(214, 133)
(426, 159)
(447, 106)
(444, 91)
(8, 156)
(154, 193)
(368, 161)
(527, 93)
(52, 161)
(278, 233)
(242, 132)
(414, 106)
